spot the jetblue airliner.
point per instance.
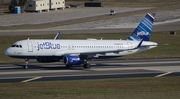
(78, 52)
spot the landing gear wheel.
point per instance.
(25, 67)
(87, 65)
(26, 63)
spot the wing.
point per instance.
(93, 53)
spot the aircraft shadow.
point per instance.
(57, 67)
(110, 65)
(54, 67)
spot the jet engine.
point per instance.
(73, 60)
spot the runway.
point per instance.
(100, 69)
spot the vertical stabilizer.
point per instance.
(144, 29)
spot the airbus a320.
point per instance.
(79, 52)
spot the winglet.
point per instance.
(57, 36)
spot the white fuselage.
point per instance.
(34, 48)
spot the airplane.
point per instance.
(79, 52)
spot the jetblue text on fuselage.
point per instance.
(48, 45)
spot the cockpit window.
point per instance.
(13, 46)
(18, 46)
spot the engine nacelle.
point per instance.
(47, 59)
(73, 60)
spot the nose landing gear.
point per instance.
(26, 63)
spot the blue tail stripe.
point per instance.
(144, 29)
(141, 28)
(147, 26)
(150, 18)
(147, 23)
(135, 37)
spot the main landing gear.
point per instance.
(26, 63)
(86, 65)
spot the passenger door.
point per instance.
(30, 46)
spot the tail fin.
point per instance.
(144, 29)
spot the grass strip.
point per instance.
(123, 88)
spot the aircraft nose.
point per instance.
(8, 51)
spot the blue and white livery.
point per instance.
(144, 29)
(77, 52)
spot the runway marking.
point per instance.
(164, 74)
(28, 80)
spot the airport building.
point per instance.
(57, 4)
(44, 5)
